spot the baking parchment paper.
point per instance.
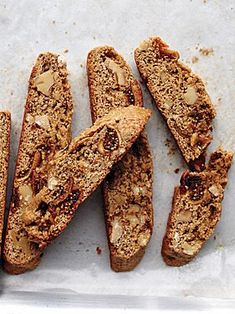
(71, 264)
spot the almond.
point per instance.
(44, 82)
(216, 189)
(26, 193)
(52, 183)
(143, 238)
(190, 96)
(42, 121)
(118, 71)
(116, 231)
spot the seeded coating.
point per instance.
(127, 190)
(5, 128)
(196, 210)
(180, 96)
(45, 130)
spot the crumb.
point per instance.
(66, 33)
(77, 250)
(206, 51)
(87, 250)
(66, 51)
(195, 59)
(74, 23)
(94, 37)
(53, 22)
(219, 99)
(98, 250)
(170, 145)
(81, 65)
(204, 1)
(214, 237)
(177, 170)
(12, 93)
(80, 243)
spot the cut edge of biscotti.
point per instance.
(5, 132)
(127, 202)
(92, 154)
(46, 129)
(107, 67)
(180, 96)
(196, 209)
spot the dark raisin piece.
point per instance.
(43, 207)
(193, 181)
(130, 95)
(111, 140)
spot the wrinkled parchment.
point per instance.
(71, 264)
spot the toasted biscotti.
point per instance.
(127, 189)
(5, 130)
(74, 173)
(196, 209)
(45, 130)
(180, 96)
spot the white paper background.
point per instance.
(71, 264)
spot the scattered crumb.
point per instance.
(87, 250)
(66, 51)
(81, 65)
(12, 93)
(204, 1)
(171, 146)
(80, 243)
(214, 237)
(195, 59)
(98, 250)
(94, 37)
(177, 170)
(219, 99)
(53, 22)
(74, 23)
(206, 51)
(77, 250)
(66, 33)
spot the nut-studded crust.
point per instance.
(74, 173)
(196, 209)
(5, 131)
(46, 129)
(181, 98)
(128, 188)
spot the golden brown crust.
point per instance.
(92, 154)
(196, 209)
(5, 131)
(128, 188)
(46, 129)
(180, 96)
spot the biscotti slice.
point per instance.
(74, 173)
(180, 96)
(128, 188)
(45, 130)
(196, 209)
(5, 130)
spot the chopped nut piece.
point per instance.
(190, 96)
(194, 139)
(133, 220)
(52, 183)
(163, 76)
(190, 249)
(216, 189)
(119, 72)
(144, 238)
(26, 193)
(184, 216)
(42, 121)
(29, 118)
(44, 82)
(116, 231)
